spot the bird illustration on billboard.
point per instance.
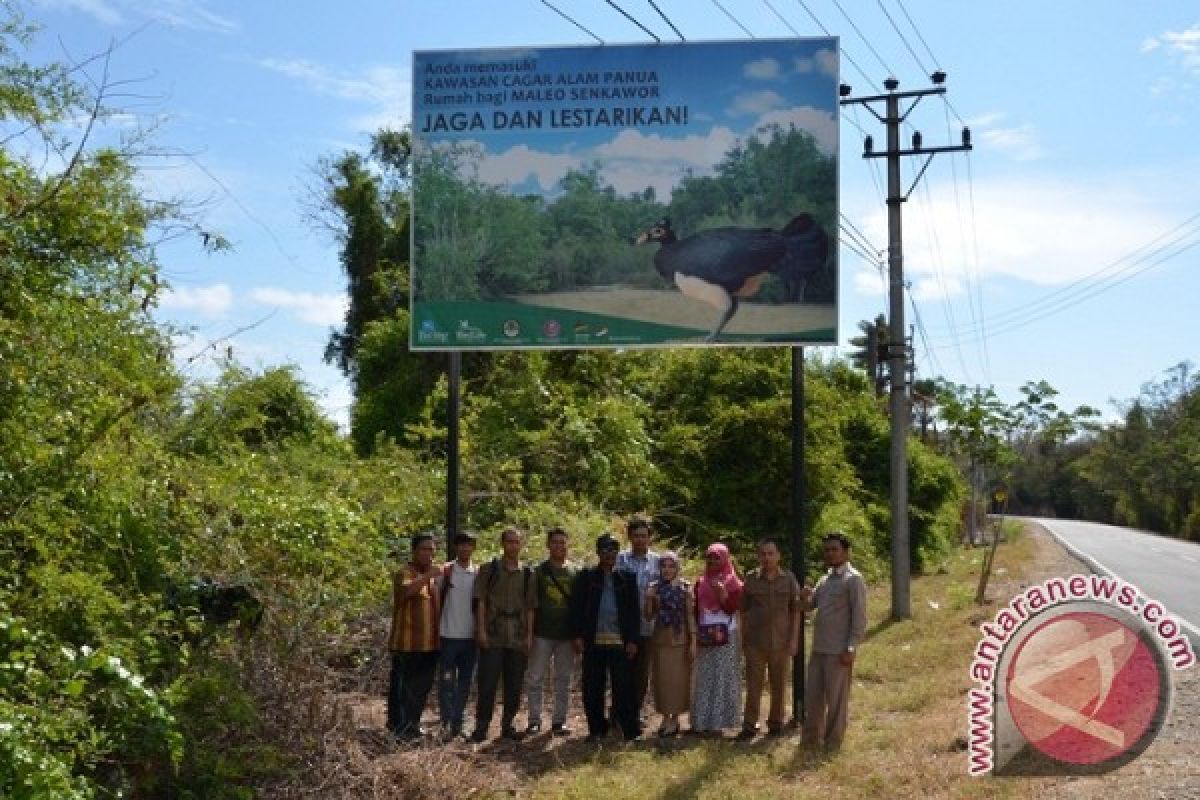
(721, 266)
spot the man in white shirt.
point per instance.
(457, 626)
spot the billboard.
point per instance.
(625, 195)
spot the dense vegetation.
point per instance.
(1142, 471)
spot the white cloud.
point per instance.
(821, 124)
(1181, 46)
(176, 13)
(318, 309)
(517, 164)
(1019, 142)
(190, 14)
(867, 282)
(209, 301)
(764, 69)
(97, 9)
(827, 62)
(759, 102)
(385, 89)
(1040, 230)
(695, 150)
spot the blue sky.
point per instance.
(1036, 257)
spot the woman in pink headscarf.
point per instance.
(717, 698)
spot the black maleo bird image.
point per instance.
(722, 265)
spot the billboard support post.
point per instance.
(799, 529)
(453, 374)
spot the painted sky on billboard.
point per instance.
(537, 169)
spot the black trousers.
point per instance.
(641, 675)
(603, 665)
(408, 689)
(496, 664)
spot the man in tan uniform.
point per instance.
(770, 608)
(841, 603)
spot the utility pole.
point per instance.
(897, 351)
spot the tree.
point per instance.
(365, 201)
(870, 353)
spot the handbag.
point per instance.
(714, 634)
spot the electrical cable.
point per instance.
(627, 16)
(570, 19)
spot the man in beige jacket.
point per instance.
(840, 599)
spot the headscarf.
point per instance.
(671, 600)
(722, 572)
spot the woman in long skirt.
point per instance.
(716, 701)
(673, 644)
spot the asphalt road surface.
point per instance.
(1167, 570)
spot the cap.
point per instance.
(607, 541)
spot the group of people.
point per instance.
(632, 621)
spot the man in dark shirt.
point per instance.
(607, 625)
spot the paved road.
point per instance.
(1167, 570)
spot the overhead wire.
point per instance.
(735, 20)
(937, 262)
(903, 38)
(570, 19)
(930, 353)
(841, 49)
(866, 41)
(667, 20)
(1140, 260)
(627, 16)
(775, 11)
(917, 30)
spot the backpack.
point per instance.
(494, 575)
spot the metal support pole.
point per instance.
(454, 375)
(897, 357)
(799, 529)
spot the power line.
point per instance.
(1020, 318)
(917, 30)
(939, 270)
(626, 15)
(780, 16)
(1083, 284)
(570, 19)
(862, 238)
(903, 38)
(930, 352)
(867, 254)
(667, 20)
(888, 70)
(736, 21)
(987, 359)
(841, 49)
